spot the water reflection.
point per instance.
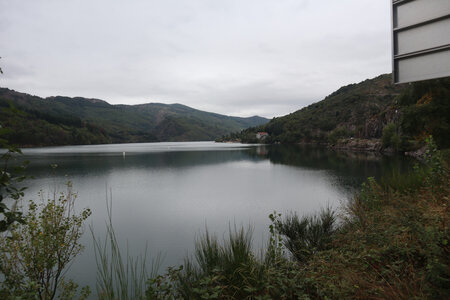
(80, 165)
(349, 169)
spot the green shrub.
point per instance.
(229, 270)
(35, 255)
(305, 236)
(10, 179)
(390, 137)
(337, 134)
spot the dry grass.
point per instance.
(393, 246)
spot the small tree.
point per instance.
(390, 138)
(336, 134)
(35, 256)
(10, 178)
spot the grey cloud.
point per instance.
(231, 57)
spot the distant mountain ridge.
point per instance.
(58, 120)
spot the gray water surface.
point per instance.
(165, 194)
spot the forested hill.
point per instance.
(33, 121)
(374, 114)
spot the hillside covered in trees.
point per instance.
(34, 121)
(371, 115)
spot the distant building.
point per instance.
(261, 135)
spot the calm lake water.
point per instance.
(165, 194)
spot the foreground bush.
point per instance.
(10, 179)
(229, 270)
(306, 236)
(35, 255)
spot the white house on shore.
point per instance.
(261, 135)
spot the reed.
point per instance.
(307, 235)
(120, 276)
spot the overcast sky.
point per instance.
(234, 57)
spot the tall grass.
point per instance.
(120, 276)
(230, 269)
(216, 266)
(307, 235)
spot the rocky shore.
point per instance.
(353, 144)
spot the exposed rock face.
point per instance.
(372, 145)
(373, 128)
(419, 153)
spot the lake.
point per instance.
(166, 194)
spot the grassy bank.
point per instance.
(389, 242)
